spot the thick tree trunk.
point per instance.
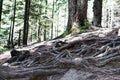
(72, 8)
(77, 15)
(97, 10)
(82, 12)
(26, 22)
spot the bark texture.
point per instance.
(97, 13)
(26, 22)
(77, 15)
(1, 3)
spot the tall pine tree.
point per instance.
(26, 22)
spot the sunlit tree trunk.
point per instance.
(45, 30)
(19, 38)
(97, 13)
(57, 26)
(1, 3)
(39, 23)
(10, 42)
(52, 22)
(38, 31)
(72, 8)
(30, 37)
(13, 24)
(77, 15)
(26, 22)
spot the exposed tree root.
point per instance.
(93, 53)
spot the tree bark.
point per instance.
(82, 12)
(19, 38)
(77, 15)
(1, 3)
(45, 30)
(39, 24)
(26, 22)
(72, 11)
(13, 24)
(52, 22)
(97, 13)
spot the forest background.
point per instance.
(47, 19)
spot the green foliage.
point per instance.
(34, 35)
(3, 35)
(38, 17)
(3, 32)
(118, 2)
(3, 49)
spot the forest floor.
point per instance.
(94, 55)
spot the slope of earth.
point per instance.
(88, 56)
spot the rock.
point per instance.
(74, 74)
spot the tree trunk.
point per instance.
(26, 22)
(77, 15)
(39, 24)
(57, 26)
(97, 10)
(1, 3)
(13, 24)
(52, 21)
(45, 30)
(82, 12)
(72, 11)
(9, 38)
(38, 32)
(19, 38)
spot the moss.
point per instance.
(65, 34)
(82, 29)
